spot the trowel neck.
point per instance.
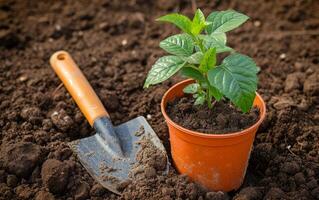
(105, 130)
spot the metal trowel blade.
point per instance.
(109, 170)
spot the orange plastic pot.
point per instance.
(216, 161)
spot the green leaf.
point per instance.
(199, 17)
(223, 21)
(179, 45)
(198, 23)
(216, 40)
(215, 93)
(191, 88)
(208, 61)
(181, 21)
(164, 68)
(200, 99)
(194, 58)
(236, 78)
(193, 73)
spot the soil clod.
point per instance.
(21, 158)
(55, 175)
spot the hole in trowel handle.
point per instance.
(61, 56)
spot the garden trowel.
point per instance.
(110, 154)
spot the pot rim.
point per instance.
(212, 135)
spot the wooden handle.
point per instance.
(78, 86)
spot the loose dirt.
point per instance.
(115, 43)
(223, 118)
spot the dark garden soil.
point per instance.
(223, 118)
(115, 43)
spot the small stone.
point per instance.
(257, 23)
(55, 175)
(282, 56)
(148, 116)
(44, 195)
(124, 42)
(103, 25)
(23, 78)
(97, 190)
(58, 27)
(275, 193)
(12, 181)
(82, 191)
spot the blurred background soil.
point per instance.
(115, 43)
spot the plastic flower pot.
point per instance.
(216, 161)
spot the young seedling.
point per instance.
(194, 55)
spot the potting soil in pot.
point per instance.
(222, 118)
(115, 43)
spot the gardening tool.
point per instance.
(110, 154)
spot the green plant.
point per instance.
(194, 54)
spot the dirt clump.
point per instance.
(55, 175)
(275, 194)
(293, 81)
(44, 195)
(61, 120)
(24, 192)
(12, 181)
(82, 192)
(311, 84)
(149, 159)
(224, 118)
(32, 114)
(216, 196)
(97, 190)
(5, 192)
(21, 158)
(249, 193)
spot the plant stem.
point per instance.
(209, 101)
(200, 44)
